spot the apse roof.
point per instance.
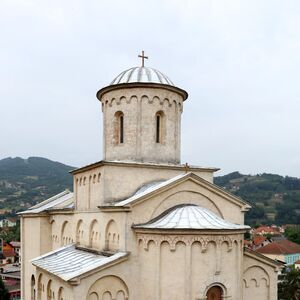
(69, 262)
(190, 216)
(63, 200)
(142, 75)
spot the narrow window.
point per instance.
(158, 130)
(121, 120)
(119, 128)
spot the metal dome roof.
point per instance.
(190, 217)
(142, 75)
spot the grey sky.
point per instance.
(239, 61)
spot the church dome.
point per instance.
(142, 75)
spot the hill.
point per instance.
(24, 182)
(274, 198)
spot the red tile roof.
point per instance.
(297, 262)
(280, 247)
(266, 229)
(257, 240)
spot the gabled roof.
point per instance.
(257, 256)
(190, 216)
(69, 262)
(63, 200)
(160, 186)
(280, 247)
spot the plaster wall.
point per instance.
(139, 107)
(259, 280)
(111, 183)
(36, 233)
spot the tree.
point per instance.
(3, 291)
(289, 287)
(293, 233)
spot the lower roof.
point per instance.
(70, 262)
(190, 216)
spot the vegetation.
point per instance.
(3, 291)
(274, 198)
(25, 182)
(293, 233)
(289, 287)
(11, 233)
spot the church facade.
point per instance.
(139, 224)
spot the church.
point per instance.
(139, 224)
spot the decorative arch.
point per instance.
(257, 273)
(40, 287)
(50, 293)
(94, 235)
(80, 232)
(66, 234)
(256, 281)
(61, 294)
(112, 236)
(199, 199)
(112, 287)
(32, 285)
(54, 234)
(93, 296)
(119, 137)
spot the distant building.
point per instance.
(8, 254)
(297, 264)
(12, 281)
(8, 222)
(282, 250)
(263, 230)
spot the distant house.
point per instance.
(8, 222)
(12, 281)
(283, 250)
(8, 254)
(263, 230)
(297, 264)
(17, 249)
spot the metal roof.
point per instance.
(63, 200)
(189, 216)
(69, 262)
(148, 188)
(143, 75)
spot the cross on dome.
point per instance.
(142, 56)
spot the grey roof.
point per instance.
(148, 188)
(190, 217)
(69, 262)
(142, 74)
(63, 200)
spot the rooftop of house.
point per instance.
(257, 240)
(280, 247)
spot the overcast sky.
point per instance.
(238, 60)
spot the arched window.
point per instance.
(214, 293)
(159, 127)
(119, 127)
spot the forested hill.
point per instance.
(274, 198)
(24, 182)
